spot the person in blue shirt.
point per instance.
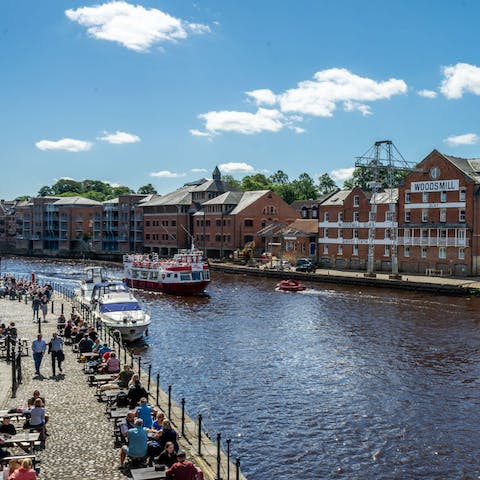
(137, 442)
(39, 347)
(145, 411)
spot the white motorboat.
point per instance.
(113, 303)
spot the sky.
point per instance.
(162, 91)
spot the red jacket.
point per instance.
(182, 471)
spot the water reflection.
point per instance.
(334, 383)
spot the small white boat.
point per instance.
(113, 303)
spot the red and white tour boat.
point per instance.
(290, 286)
(185, 274)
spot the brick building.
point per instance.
(439, 216)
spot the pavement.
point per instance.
(80, 445)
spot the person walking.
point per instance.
(38, 348)
(44, 307)
(36, 302)
(55, 348)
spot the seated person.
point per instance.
(168, 435)
(24, 472)
(158, 424)
(145, 411)
(127, 424)
(38, 417)
(36, 394)
(168, 457)
(3, 453)
(137, 442)
(7, 426)
(182, 469)
(85, 345)
(121, 380)
(136, 392)
(112, 365)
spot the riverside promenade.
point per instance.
(80, 445)
(442, 285)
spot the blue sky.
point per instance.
(161, 91)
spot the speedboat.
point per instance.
(290, 285)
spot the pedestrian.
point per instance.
(44, 307)
(55, 348)
(38, 348)
(36, 302)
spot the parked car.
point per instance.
(305, 265)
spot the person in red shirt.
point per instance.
(182, 470)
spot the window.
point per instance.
(424, 215)
(325, 217)
(218, 223)
(407, 216)
(462, 195)
(408, 197)
(356, 200)
(174, 223)
(249, 223)
(424, 233)
(461, 215)
(442, 252)
(147, 223)
(340, 233)
(356, 216)
(325, 248)
(424, 252)
(424, 197)
(406, 234)
(355, 250)
(386, 252)
(355, 233)
(443, 233)
(461, 254)
(314, 212)
(340, 216)
(388, 233)
(406, 251)
(461, 237)
(340, 250)
(443, 215)
(304, 212)
(388, 216)
(325, 234)
(443, 197)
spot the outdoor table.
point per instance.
(100, 379)
(109, 396)
(14, 415)
(117, 414)
(147, 473)
(22, 438)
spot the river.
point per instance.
(341, 382)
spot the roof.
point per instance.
(469, 166)
(298, 204)
(227, 198)
(76, 201)
(337, 198)
(182, 196)
(112, 200)
(248, 198)
(389, 195)
(214, 186)
(302, 226)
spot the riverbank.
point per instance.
(80, 445)
(430, 284)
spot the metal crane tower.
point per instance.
(384, 161)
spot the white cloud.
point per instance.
(199, 133)
(459, 79)
(263, 96)
(68, 144)
(133, 26)
(112, 184)
(264, 120)
(120, 137)
(319, 97)
(166, 174)
(199, 170)
(465, 139)
(297, 129)
(236, 167)
(342, 174)
(427, 93)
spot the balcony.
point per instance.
(434, 241)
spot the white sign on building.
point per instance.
(435, 186)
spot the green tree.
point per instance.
(256, 182)
(45, 191)
(326, 184)
(304, 187)
(21, 198)
(117, 191)
(286, 191)
(232, 181)
(278, 178)
(365, 176)
(66, 185)
(147, 189)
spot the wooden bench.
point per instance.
(18, 458)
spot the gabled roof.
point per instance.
(112, 200)
(76, 201)
(182, 196)
(227, 198)
(298, 204)
(337, 198)
(247, 199)
(302, 226)
(214, 186)
(469, 166)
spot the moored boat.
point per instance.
(113, 303)
(187, 273)
(290, 285)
